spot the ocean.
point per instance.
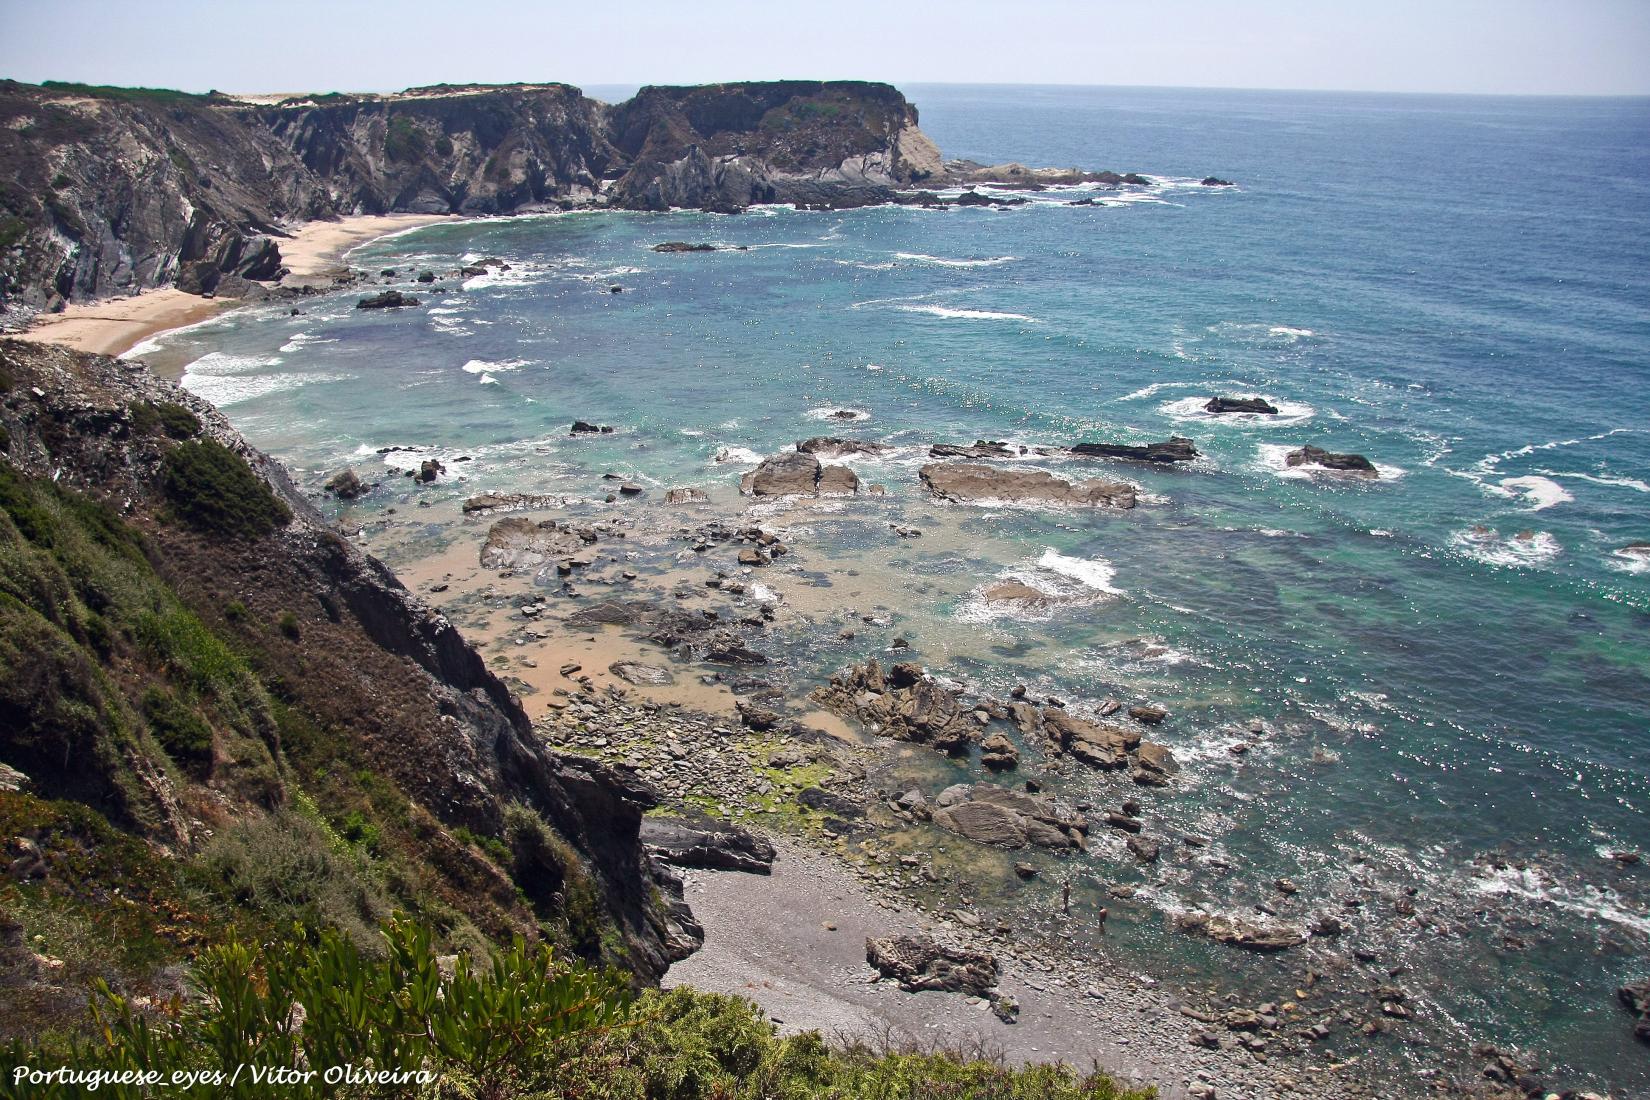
(1424, 699)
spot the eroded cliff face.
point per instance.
(182, 672)
(105, 190)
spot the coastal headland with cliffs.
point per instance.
(665, 563)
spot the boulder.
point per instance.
(972, 482)
(921, 963)
(1154, 764)
(429, 470)
(1003, 591)
(1240, 405)
(518, 543)
(345, 485)
(1177, 448)
(1148, 713)
(984, 823)
(1215, 181)
(683, 246)
(1239, 933)
(702, 842)
(1095, 745)
(1636, 999)
(584, 427)
(1328, 460)
(998, 753)
(906, 705)
(797, 473)
(642, 675)
(390, 299)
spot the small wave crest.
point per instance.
(1538, 492)
(951, 313)
(1524, 550)
(941, 261)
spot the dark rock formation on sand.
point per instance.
(1345, 463)
(115, 190)
(921, 963)
(964, 482)
(1176, 448)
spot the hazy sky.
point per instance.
(1503, 46)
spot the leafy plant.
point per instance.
(212, 489)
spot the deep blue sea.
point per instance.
(1449, 666)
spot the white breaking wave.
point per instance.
(1631, 559)
(941, 261)
(829, 412)
(1540, 492)
(969, 314)
(485, 367)
(1524, 550)
(1096, 573)
(302, 340)
(1589, 901)
(1603, 479)
(742, 456)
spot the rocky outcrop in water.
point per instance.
(829, 446)
(1176, 448)
(962, 482)
(1220, 405)
(1328, 460)
(798, 473)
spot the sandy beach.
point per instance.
(114, 326)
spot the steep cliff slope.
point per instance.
(190, 657)
(110, 189)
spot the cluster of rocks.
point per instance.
(700, 762)
(487, 504)
(906, 704)
(1234, 932)
(585, 427)
(830, 446)
(519, 543)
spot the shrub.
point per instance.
(288, 625)
(181, 732)
(235, 611)
(404, 141)
(212, 489)
(176, 421)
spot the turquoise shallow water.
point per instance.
(1455, 287)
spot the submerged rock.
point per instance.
(345, 485)
(518, 543)
(1240, 405)
(1176, 448)
(686, 496)
(1328, 460)
(921, 963)
(982, 448)
(969, 482)
(830, 446)
(683, 246)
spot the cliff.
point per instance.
(191, 658)
(106, 190)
